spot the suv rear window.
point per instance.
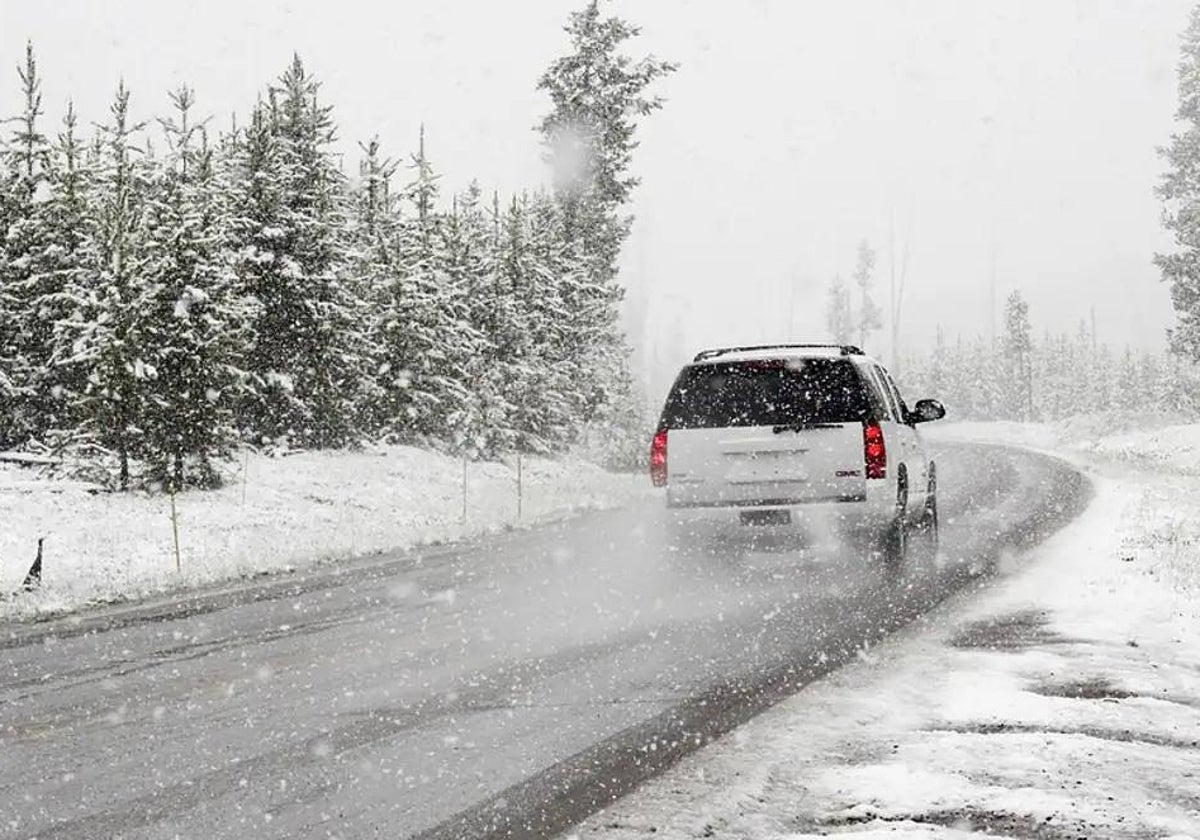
(766, 393)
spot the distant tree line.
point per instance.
(167, 292)
(1018, 377)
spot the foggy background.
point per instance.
(1014, 140)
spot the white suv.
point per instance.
(808, 438)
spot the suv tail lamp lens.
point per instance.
(874, 451)
(658, 459)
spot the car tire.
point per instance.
(894, 546)
(929, 517)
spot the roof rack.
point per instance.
(844, 349)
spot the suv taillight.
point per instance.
(874, 451)
(658, 459)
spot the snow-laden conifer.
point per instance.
(100, 344)
(193, 324)
(306, 356)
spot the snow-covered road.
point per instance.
(514, 684)
(1061, 702)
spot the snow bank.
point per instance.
(281, 513)
(1147, 440)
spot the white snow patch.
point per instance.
(280, 514)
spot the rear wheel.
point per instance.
(895, 539)
(929, 517)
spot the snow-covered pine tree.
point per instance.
(1083, 385)
(870, 317)
(839, 317)
(468, 391)
(64, 269)
(307, 351)
(597, 95)
(1048, 374)
(102, 332)
(1151, 392)
(24, 334)
(1017, 360)
(1180, 387)
(473, 267)
(520, 340)
(9, 391)
(938, 379)
(374, 266)
(561, 322)
(1100, 379)
(192, 327)
(1128, 383)
(1179, 190)
(425, 337)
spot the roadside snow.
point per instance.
(1062, 702)
(296, 511)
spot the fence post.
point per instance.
(175, 531)
(245, 471)
(464, 488)
(520, 486)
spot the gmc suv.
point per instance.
(804, 438)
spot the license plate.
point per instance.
(766, 517)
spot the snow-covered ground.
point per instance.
(281, 513)
(1062, 702)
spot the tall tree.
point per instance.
(23, 332)
(1179, 190)
(63, 270)
(598, 94)
(102, 334)
(1017, 349)
(869, 315)
(373, 265)
(306, 355)
(192, 326)
(839, 316)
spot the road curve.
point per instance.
(502, 688)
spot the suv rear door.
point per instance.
(766, 432)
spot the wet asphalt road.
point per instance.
(506, 687)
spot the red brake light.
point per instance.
(874, 451)
(658, 459)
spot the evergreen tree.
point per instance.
(102, 334)
(23, 330)
(473, 258)
(1017, 349)
(1100, 377)
(373, 263)
(307, 353)
(60, 288)
(839, 317)
(1179, 190)
(597, 95)
(1128, 397)
(425, 340)
(870, 318)
(193, 324)
(938, 375)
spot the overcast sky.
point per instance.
(1013, 133)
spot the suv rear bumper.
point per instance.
(842, 518)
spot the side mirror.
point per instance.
(926, 411)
